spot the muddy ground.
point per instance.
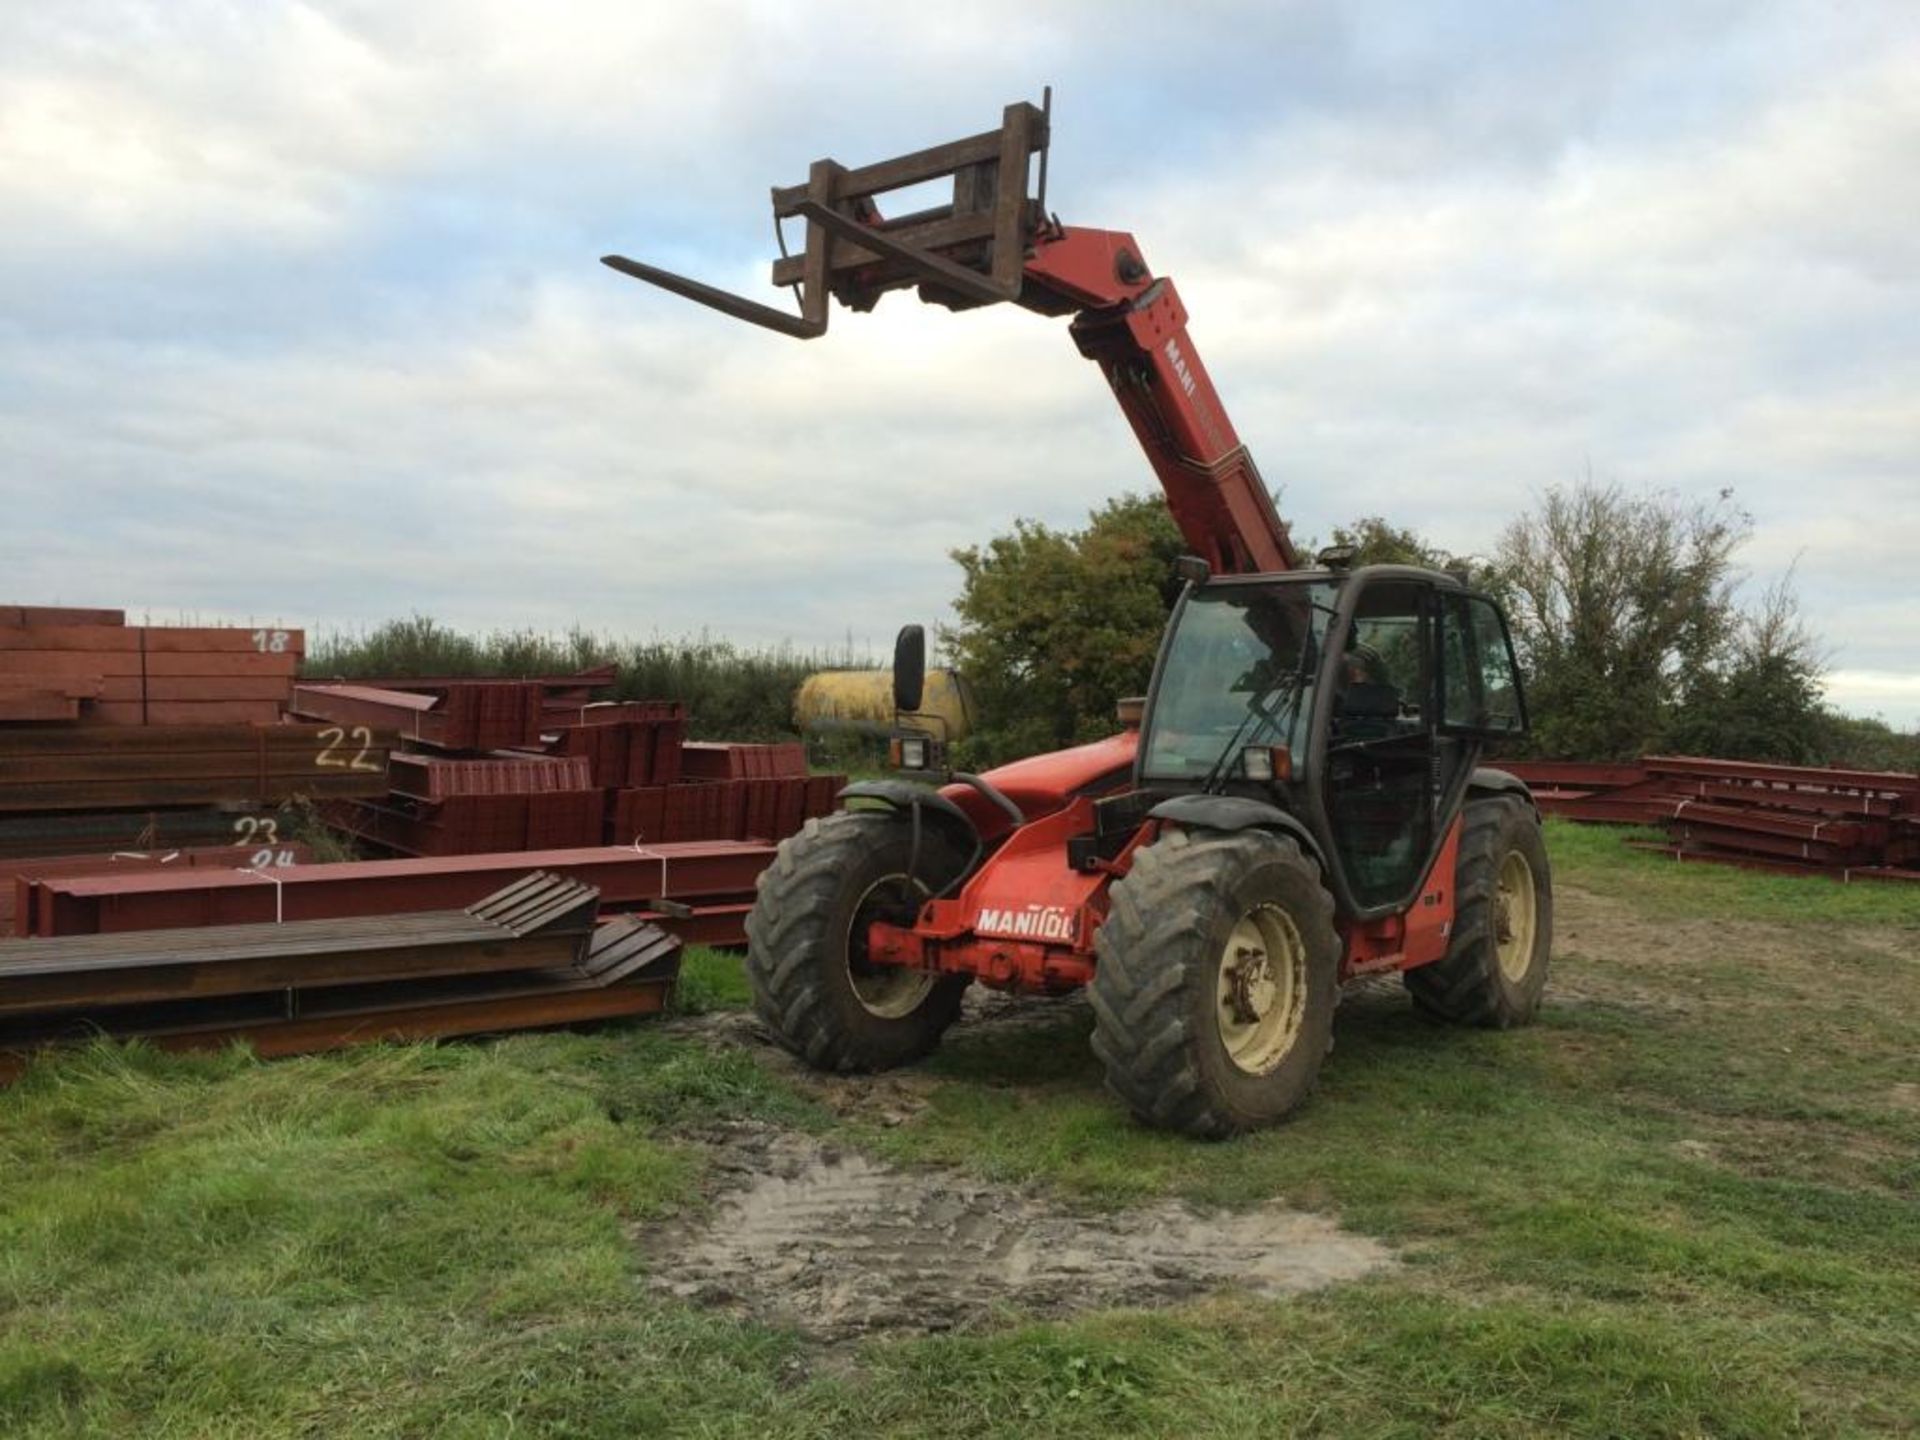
(840, 1246)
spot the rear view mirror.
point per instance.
(909, 668)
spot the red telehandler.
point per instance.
(1296, 803)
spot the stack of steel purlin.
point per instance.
(476, 784)
(701, 891)
(1854, 824)
(123, 746)
(537, 764)
(746, 792)
(17, 876)
(532, 952)
(163, 933)
(91, 666)
(496, 765)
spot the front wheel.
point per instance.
(1217, 974)
(807, 950)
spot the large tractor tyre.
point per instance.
(806, 942)
(1217, 976)
(1495, 968)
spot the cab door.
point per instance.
(1377, 776)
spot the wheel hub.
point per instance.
(1262, 991)
(1515, 915)
(890, 992)
(1251, 980)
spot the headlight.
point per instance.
(912, 753)
(1267, 762)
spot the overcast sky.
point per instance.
(301, 316)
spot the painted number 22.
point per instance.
(336, 737)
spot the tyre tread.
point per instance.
(787, 963)
(1149, 961)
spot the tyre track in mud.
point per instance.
(808, 1235)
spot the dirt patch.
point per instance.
(841, 1246)
(1899, 945)
(1613, 955)
(893, 1097)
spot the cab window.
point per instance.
(1480, 683)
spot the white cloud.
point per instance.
(1892, 695)
(337, 347)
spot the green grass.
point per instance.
(1687, 1202)
(710, 980)
(1600, 858)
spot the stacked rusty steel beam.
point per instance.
(482, 715)
(628, 742)
(701, 892)
(578, 773)
(736, 791)
(469, 792)
(564, 771)
(110, 767)
(90, 666)
(16, 615)
(16, 876)
(434, 777)
(729, 760)
(520, 771)
(768, 810)
(1853, 823)
(531, 953)
(103, 832)
(117, 738)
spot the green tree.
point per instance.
(1617, 603)
(1761, 699)
(1055, 627)
(1375, 540)
(1862, 742)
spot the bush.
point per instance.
(1055, 627)
(731, 693)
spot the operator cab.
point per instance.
(1356, 701)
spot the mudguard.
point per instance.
(1486, 780)
(905, 795)
(1234, 812)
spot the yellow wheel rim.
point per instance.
(1261, 995)
(891, 992)
(1516, 914)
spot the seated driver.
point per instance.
(1369, 706)
(1364, 665)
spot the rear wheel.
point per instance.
(806, 942)
(1495, 969)
(1214, 993)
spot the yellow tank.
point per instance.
(861, 702)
